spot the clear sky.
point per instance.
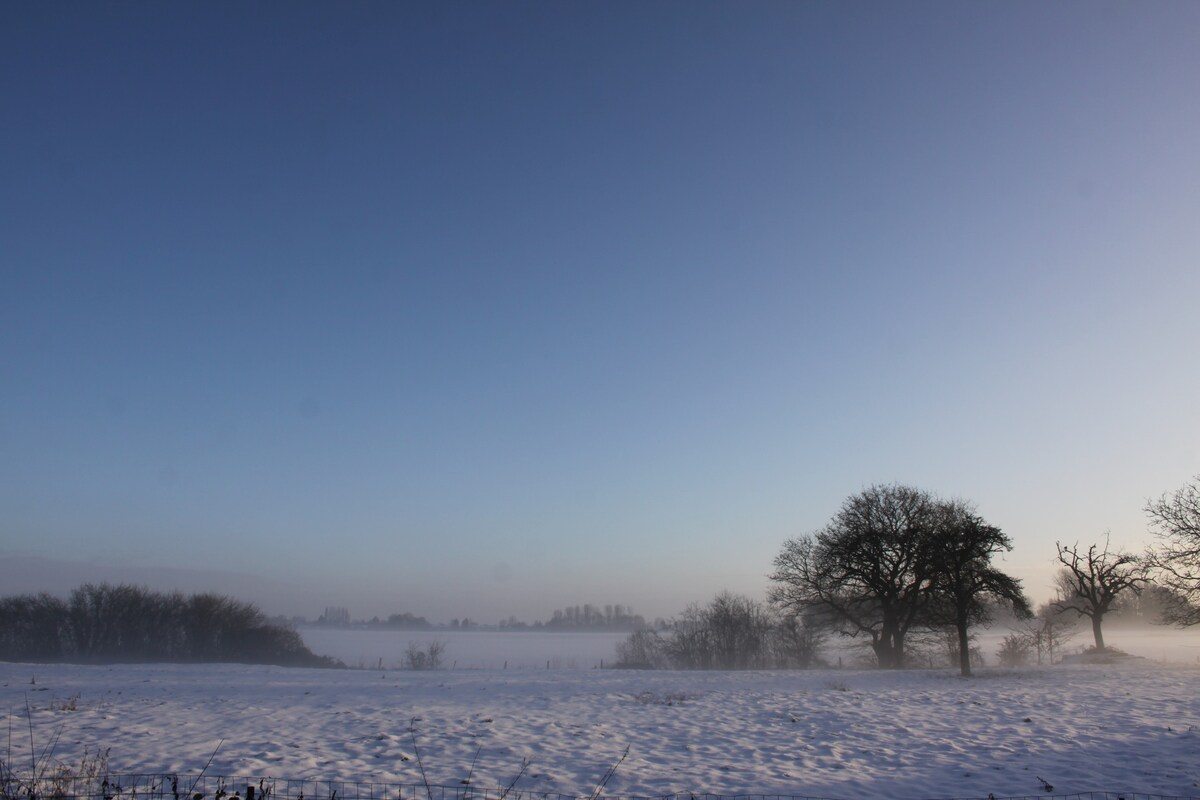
(482, 309)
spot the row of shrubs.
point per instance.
(731, 632)
(736, 632)
(102, 623)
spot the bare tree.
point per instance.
(868, 572)
(641, 650)
(964, 577)
(1049, 631)
(731, 632)
(795, 642)
(424, 659)
(1014, 650)
(689, 645)
(1092, 581)
(738, 631)
(1175, 521)
(34, 628)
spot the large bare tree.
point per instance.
(1094, 579)
(1175, 560)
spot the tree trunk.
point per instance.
(889, 648)
(1096, 618)
(886, 651)
(964, 648)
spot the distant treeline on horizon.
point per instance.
(103, 623)
(586, 617)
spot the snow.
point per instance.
(1132, 727)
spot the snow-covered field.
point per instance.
(1133, 727)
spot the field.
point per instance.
(1132, 727)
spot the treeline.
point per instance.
(571, 618)
(339, 617)
(120, 624)
(586, 617)
(731, 632)
(590, 617)
(403, 621)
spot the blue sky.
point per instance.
(491, 308)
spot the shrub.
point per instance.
(641, 650)
(731, 632)
(429, 658)
(1015, 650)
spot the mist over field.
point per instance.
(582, 651)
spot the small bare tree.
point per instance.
(1048, 632)
(429, 658)
(641, 650)
(795, 642)
(739, 628)
(689, 645)
(1014, 650)
(1094, 579)
(1175, 520)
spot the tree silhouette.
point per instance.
(1175, 521)
(868, 572)
(964, 577)
(1092, 581)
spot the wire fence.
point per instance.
(177, 787)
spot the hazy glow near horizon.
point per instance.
(482, 310)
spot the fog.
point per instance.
(542, 650)
(308, 595)
(468, 649)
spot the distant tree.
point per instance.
(1014, 651)
(1175, 560)
(795, 642)
(868, 572)
(1048, 631)
(407, 621)
(1093, 580)
(738, 630)
(641, 650)
(589, 617)
(731, 632)
(33, 628)
(688, 645)
(964, 579)
(219, 628)
(1155, 605)
(335, 615)
(424, 659)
